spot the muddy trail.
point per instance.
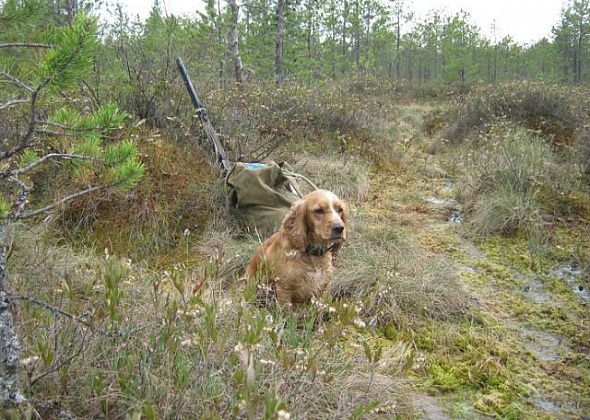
(531, 318)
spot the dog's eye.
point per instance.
(319, 211)
(340, 211)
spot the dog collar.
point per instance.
(318, 250)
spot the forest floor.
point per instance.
(424, 320)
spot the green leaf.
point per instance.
(67, 116)
(118, 153)
(128, 174)
(108, 117)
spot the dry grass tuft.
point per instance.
(397, 281)
(512, 178)
(348, 179)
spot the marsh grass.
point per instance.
(348, 178)
(400, 284)
(512, 178)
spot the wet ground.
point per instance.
(551, 351)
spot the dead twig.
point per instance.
(58, 311)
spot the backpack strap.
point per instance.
(293, 177)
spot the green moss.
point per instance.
(474, 358)
(444, 376)
(509, 251)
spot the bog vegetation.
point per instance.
(462, 291)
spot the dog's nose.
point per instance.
(337, 230)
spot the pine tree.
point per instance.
(41, 81)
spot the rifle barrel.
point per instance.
(202, 113)
(191, 89)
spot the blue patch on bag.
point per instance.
(255, 165)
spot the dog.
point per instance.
(298, 258)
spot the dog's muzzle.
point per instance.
(337, 232)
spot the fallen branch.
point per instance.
(37, 212)
(59, 311)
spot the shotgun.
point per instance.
(220, 152)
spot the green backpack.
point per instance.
(260, 195)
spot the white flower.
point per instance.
(359, 323)
(29, 361)
(283, 415)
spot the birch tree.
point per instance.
(233, 40)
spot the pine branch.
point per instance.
(48, 132)
(25, 45)
(12, 103)
(32, 165)
(70, 197)
(16, 81)
(63, 127)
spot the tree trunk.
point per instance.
(397, 47)
(279, 53)
(232, 40)
(495, 76)
(343, 45)
(579, 68)
(10, 394)
(220, 40)
(575, 65)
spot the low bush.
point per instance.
(261, 121)
(548, 109)
(512, 178)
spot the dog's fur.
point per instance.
(299, 255)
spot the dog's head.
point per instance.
(318, 219)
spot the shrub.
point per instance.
(546, 108)
(511, 178)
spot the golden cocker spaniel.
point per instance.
(299, 256)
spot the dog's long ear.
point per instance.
(295, 225)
